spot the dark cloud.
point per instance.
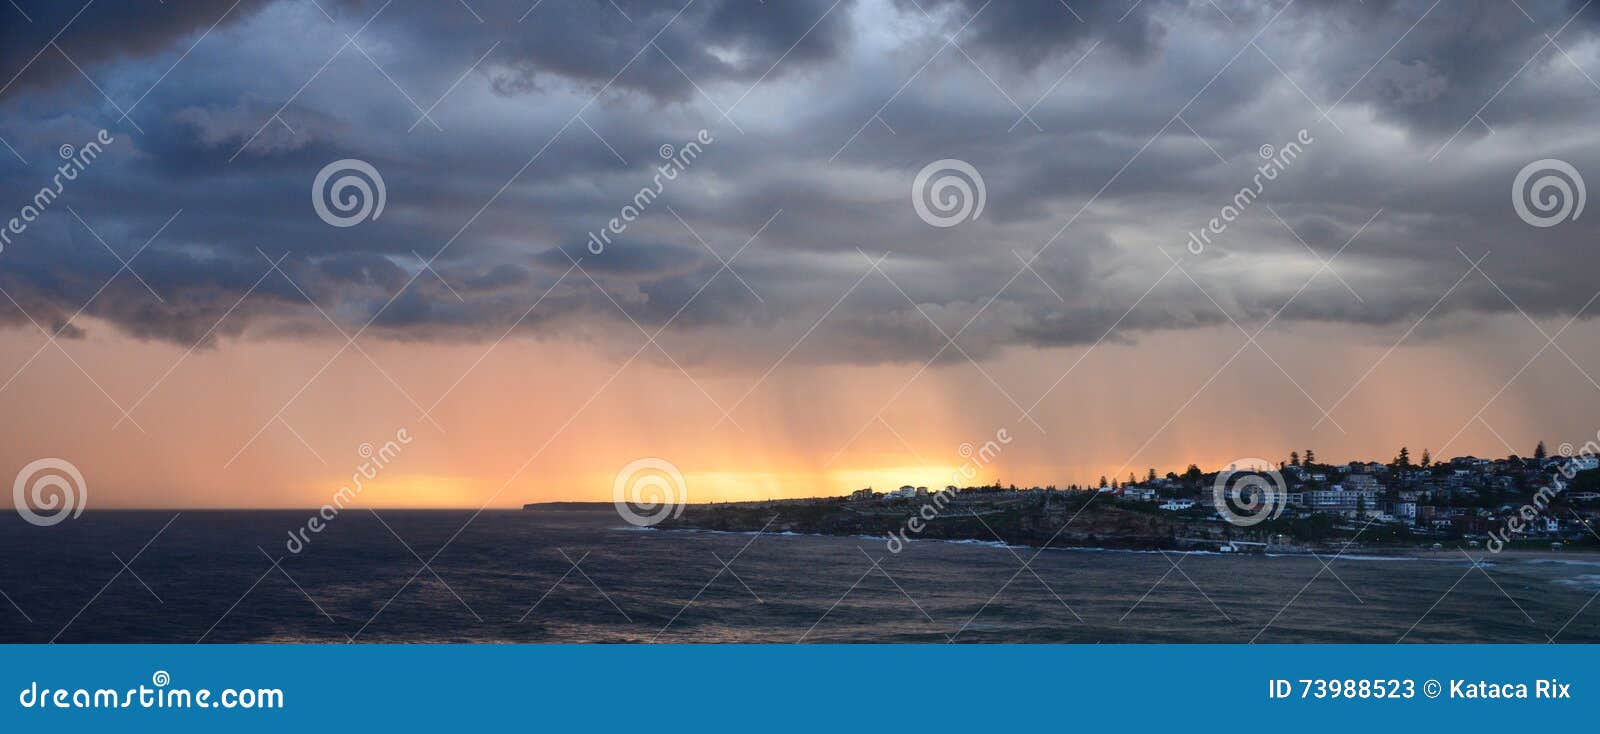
(627, 258)
(1446, 65)
(518, 162)
(91, 33)
(499, 277)
(666, 49)
(1033, 32)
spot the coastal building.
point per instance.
(1584, 463)
(1341, 500)
(1362, 483)
(1139, 494)
(1178, 505)
(903, 493)
(862, 494)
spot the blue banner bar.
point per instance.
(1192, 688)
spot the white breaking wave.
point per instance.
(1586, 581)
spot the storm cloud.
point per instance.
(509, 135)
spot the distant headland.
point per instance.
(1296, 505)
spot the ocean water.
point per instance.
(511, 577)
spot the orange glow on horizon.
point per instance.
(539, 421)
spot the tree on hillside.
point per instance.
(1193, 474)
(1152, 476)
(1427, 459)
(1539, 452)
(1103, 482)
(1294, 458)
(1311, 457)
(1403, 461)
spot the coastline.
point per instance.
(1069, 523)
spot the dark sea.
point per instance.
(510, 576)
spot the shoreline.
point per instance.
(1064, 524)
(1357, 553)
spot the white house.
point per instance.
(1139, 494)
(903, 493)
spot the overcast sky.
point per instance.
(1104, 134)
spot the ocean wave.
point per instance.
(1424, 559)
(972, 541)
(1141, 551)
(1329, 557)
(1348, 557)
(1563, 561)
(708, 531)
(1585, 581)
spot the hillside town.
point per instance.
(1538, 499)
